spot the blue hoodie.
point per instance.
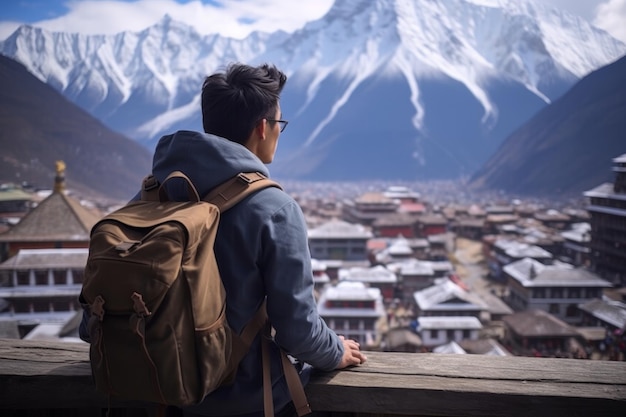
(262, 250)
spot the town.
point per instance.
(396, 267)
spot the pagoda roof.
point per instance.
(56, 218)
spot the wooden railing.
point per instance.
(53, 378)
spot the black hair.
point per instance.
(234, 101)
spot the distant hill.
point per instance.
(39, 126)
(567, 147)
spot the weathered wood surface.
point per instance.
(47, 375)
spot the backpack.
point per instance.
(158, 327)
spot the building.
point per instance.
(14, 204)
(606, 331)
(439, 247)
(59, 221)
(341, 241)
(553, 219)
(368, 207)
(430, 224)
(610, 315)
(499, 216)
(506, 251)
(39, 286)
(576, 244)
(398, 250)
(375, 277)
(447, 298)
(470, 228)
(538, 333)
(607, 208)
(393, 225)
(353, 310)
(43, 257)
(402, 194)
(556, 289)
(436, 331)
(413, 275)
(401, 339)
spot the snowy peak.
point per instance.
(496, 60)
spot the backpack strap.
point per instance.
(229, 193)
(224, 196)
(260, 324)
(294, 384)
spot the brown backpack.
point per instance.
(158, 327)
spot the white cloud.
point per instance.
(237, 18)
(227, 17)
(611, 16)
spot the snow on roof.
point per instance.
(446, 295)
(519, 250)
(612, 312)
(378, 274)
(532, 273)
(339, 229)
(449, 322)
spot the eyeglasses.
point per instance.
(282, 123)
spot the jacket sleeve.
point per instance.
(288, 280)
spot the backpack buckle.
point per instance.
(250, 177)
(139, 305)
(244, 178)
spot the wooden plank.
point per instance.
(52, 375)
(474, 385)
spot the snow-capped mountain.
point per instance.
(405, 89)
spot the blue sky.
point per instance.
(235, 18)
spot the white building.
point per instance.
(447, 298)
(401, 193)
(556, 289)
(42, 285)
(376, 277)
(353, 310)
(576, 244)
(415, 275)
(398, 250)
(340, 240)
(436, 331)
(506, 251)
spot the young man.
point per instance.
(261, 246)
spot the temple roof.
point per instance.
(57, 218)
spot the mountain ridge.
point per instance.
(40, 127)
(443, 59)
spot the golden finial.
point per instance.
(59, 180)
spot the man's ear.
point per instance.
(260, 129)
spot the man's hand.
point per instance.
(351, 354)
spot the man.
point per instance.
(261, 245)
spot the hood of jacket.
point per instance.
(207, 160)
